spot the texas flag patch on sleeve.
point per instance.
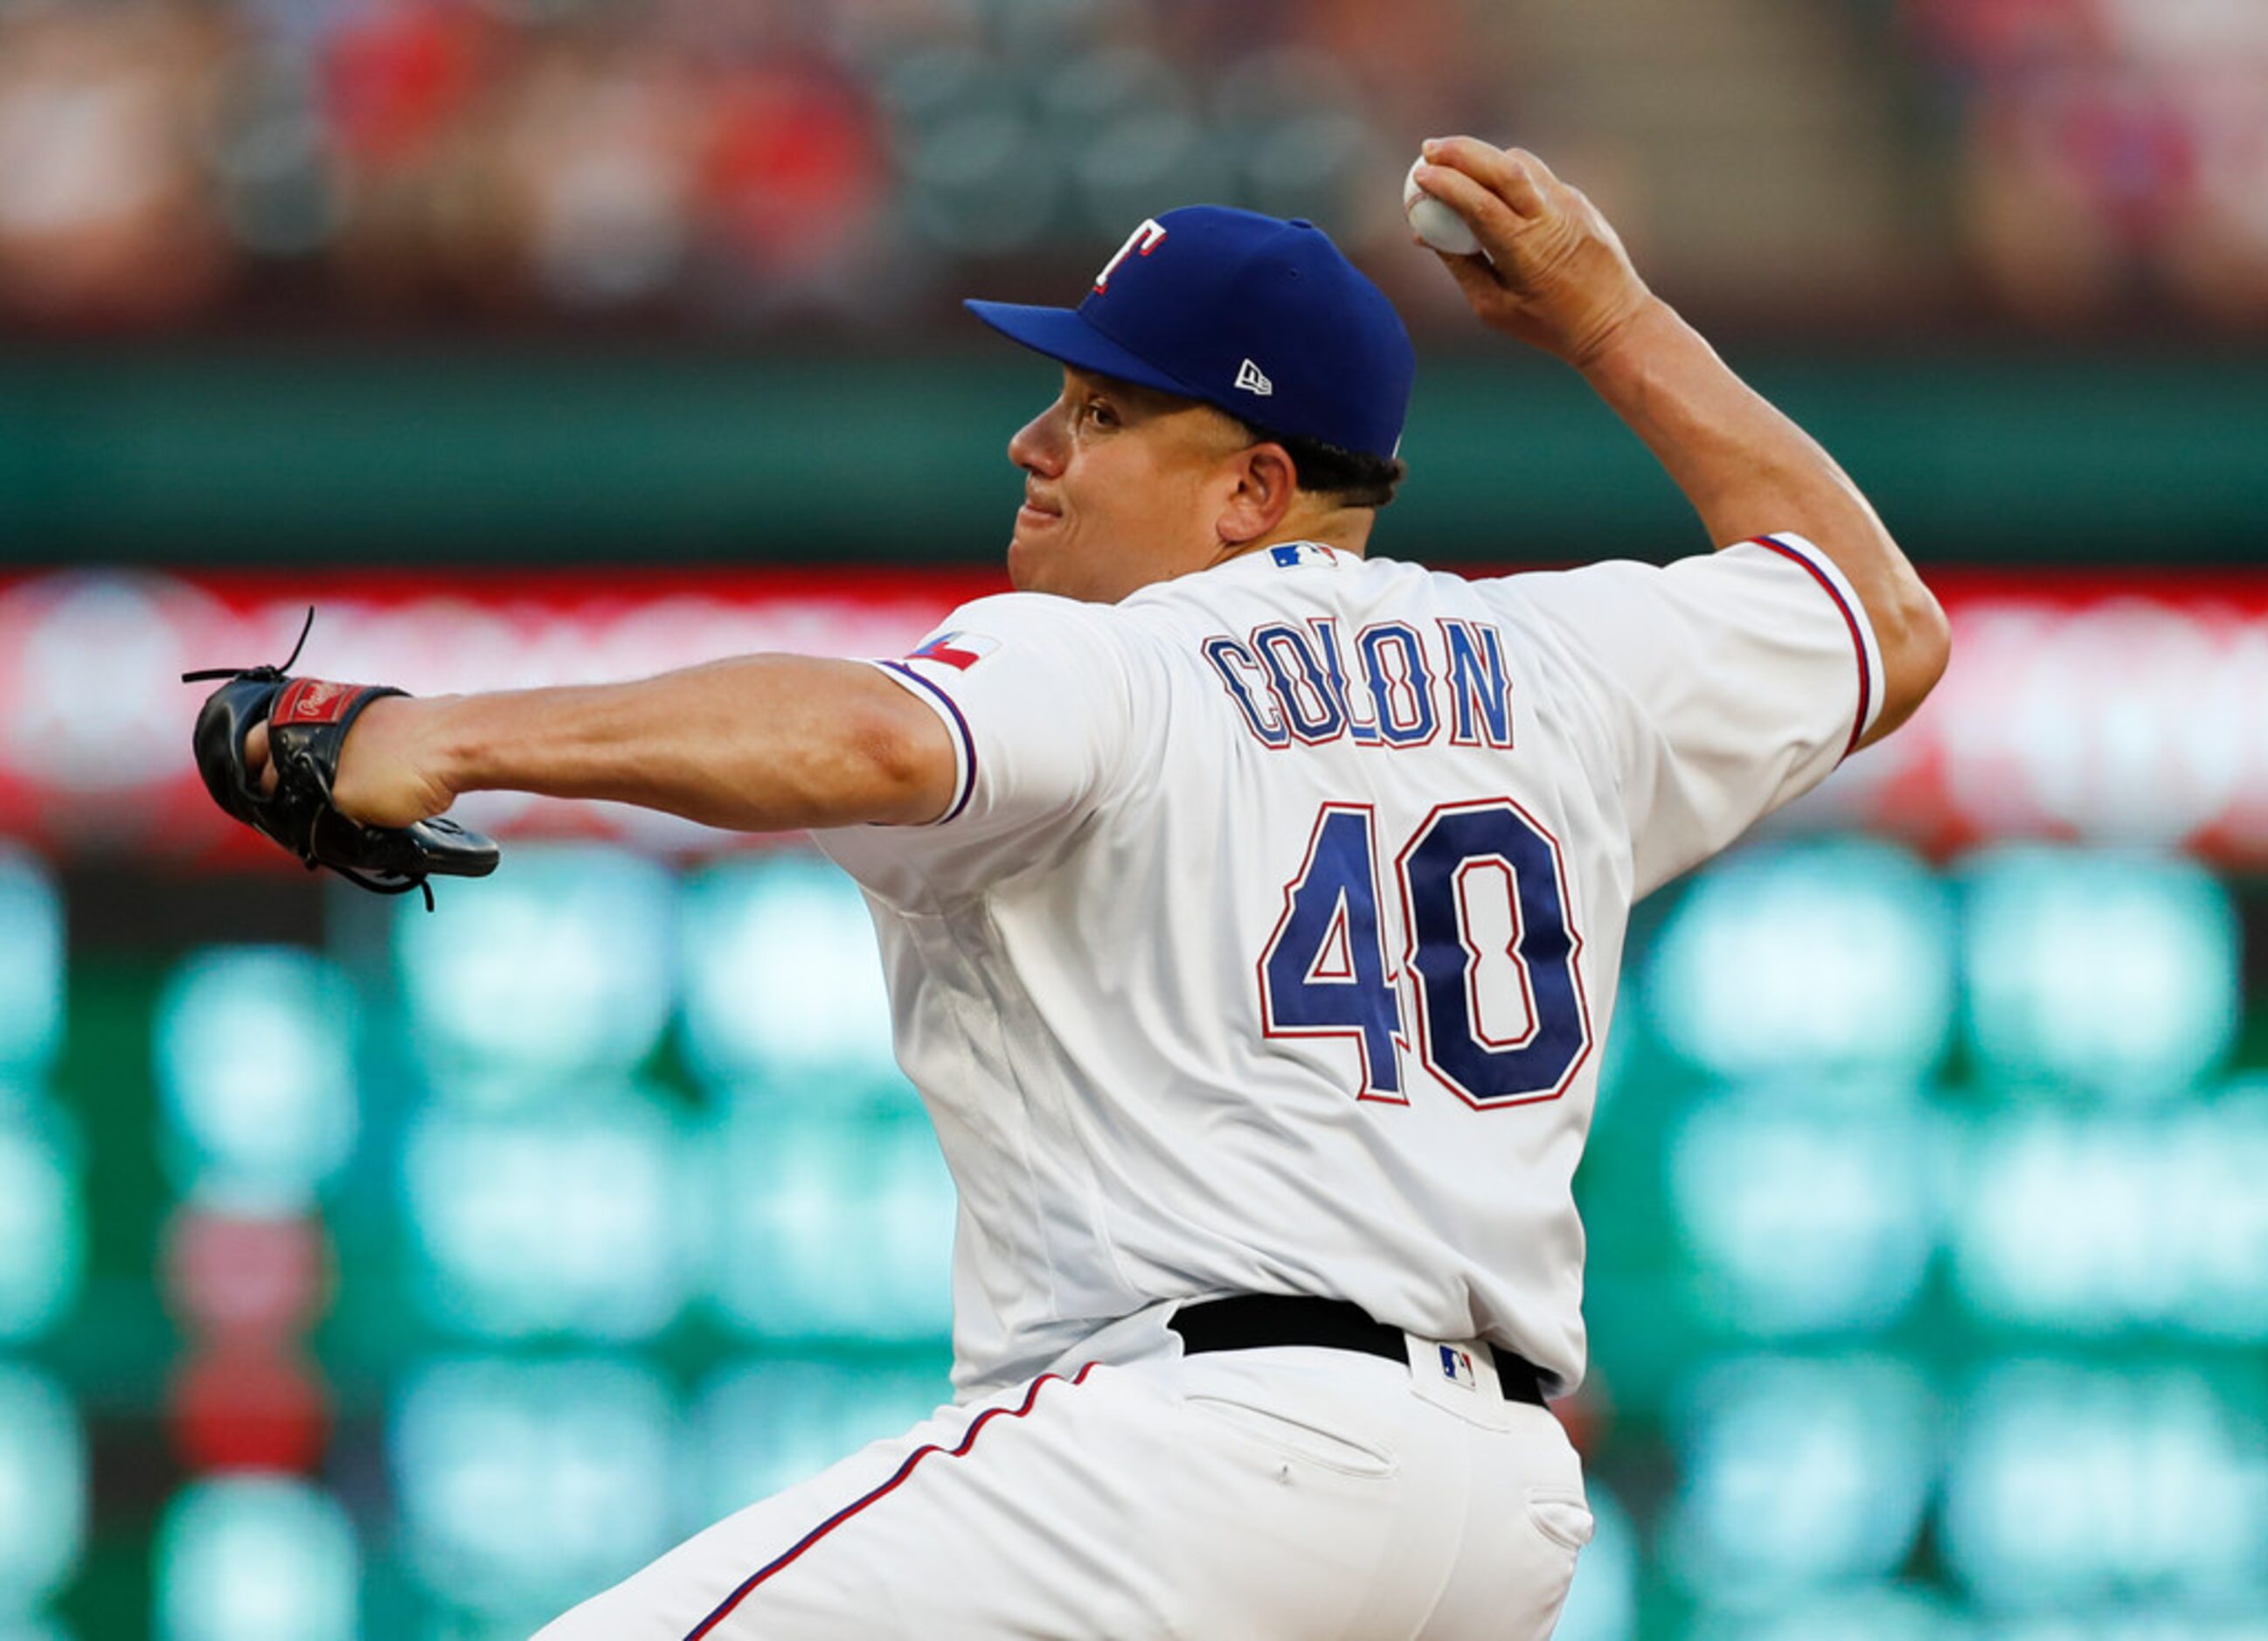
(959, 651)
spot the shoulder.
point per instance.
(1029, 623)
(1582, 596)
(1025, 612)
(1018, 653)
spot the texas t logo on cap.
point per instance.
(1145, 238)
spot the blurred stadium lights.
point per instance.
(1830, 959)
(256, 1559)
(581, 1218)
(2074, 1488)
(2098, 1224)
(832, 1225)
(31, 963)
(1805, 1220)
(43, 1229)
(523, 1486)
(782, 985)
(2100, 971)
(562, 967)
(32, 1627)
(44, 1495)
(1885, 1612)
(255, 1049)
(249, 1403)
(1799, 1474)
(2139, 1621)
(259, 1278)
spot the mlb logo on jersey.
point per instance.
(959, 651)
(1457, 1367)
(1293, 553)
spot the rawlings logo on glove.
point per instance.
(307, 721)
(315, 701)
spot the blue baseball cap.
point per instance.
(1261, 318)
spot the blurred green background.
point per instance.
(365, 1273)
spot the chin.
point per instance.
(1024, 570)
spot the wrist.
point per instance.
(1623, 341)
(445, 750)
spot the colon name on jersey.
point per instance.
(1388, 686)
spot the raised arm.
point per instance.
(763, 743)
(1557, 277)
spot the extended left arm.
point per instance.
(761, 743)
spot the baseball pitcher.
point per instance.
(1252, 909)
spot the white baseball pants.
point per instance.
(1290, 1493)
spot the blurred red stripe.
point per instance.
(2094, 705)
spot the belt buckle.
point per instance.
(1460, 1377)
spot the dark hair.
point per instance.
(1352, 478)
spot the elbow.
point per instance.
(1916, 645)
(1926, 637)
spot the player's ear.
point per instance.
(1265, 482)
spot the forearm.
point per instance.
(1746, 468)
(759, 743)
(1749, 470)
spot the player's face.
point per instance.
(1121, 487)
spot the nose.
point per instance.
(1037, 446)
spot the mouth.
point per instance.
(1032, 516)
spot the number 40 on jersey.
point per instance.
(1476, 914)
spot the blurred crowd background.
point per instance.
(762, 164)
(366, 1273)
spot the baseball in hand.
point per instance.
(1435, 223)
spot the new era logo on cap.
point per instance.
(1196, 297)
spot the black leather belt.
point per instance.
(1252, 1321)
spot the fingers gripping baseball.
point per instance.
(1515, 177)
(1555, 274)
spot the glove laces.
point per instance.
(206, 674)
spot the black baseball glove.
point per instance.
(307, 721)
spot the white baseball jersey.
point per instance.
(1270, 940)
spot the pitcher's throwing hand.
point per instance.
(1556, 275)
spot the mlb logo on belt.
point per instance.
(960, 650)
(1457, 1367)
